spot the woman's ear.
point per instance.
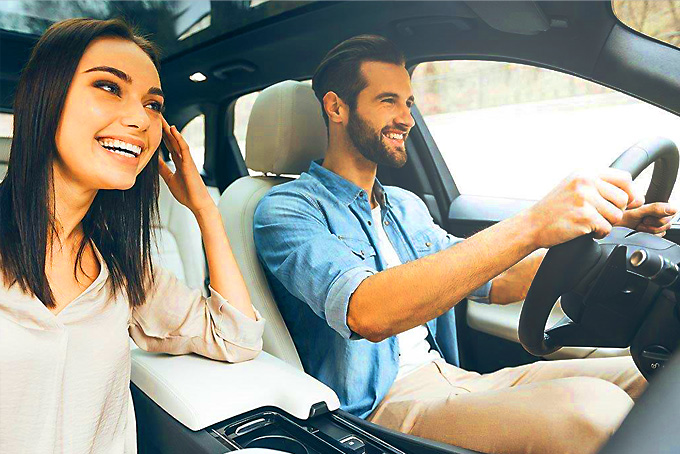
(335, 108)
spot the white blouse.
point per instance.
(65, 378)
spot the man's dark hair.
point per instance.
(340, 69)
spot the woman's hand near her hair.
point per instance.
(187, 186)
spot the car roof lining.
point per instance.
(289, 47)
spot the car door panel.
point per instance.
(502, 321)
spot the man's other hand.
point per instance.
(652, 218)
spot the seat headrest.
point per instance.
(5, 145)
(286, 131)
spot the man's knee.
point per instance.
(589, 411)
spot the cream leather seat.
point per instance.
(179, 243)
(285, 133)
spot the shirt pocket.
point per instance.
(360, 247)
(425, 242)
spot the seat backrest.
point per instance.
(285, 133)
(178, 240)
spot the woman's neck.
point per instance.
(70, 204)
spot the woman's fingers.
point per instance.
(170, 140)
(182, 144)
(163, 169)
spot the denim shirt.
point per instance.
(315, 239)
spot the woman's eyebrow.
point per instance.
(116, 72)
(125, 77)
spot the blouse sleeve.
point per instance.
(178, 320)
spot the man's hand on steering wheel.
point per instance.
(654, 218)
(584, 203)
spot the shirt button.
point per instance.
(362, 194)
(387, 222)
(369, 223)
(428, 244)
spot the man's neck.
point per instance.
(342, 158)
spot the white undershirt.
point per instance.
(414, 349)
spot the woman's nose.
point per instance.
(135, 116)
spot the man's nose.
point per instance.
(405, 118)
(135, 115)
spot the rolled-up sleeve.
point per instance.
(296, 245)
(178, 320)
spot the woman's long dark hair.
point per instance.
(119, 221)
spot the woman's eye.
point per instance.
(157, 106)
(111, 87)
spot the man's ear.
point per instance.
(335, 108)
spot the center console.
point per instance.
(192, 404)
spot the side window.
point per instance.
(511, 130)
(242, 109)
(194, 133)
(6, 131)
(6, 125)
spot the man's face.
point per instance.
(381, 120)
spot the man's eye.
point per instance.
(388, 100)
(111, 87)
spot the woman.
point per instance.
(76, 210)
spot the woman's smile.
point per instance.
(124, 150)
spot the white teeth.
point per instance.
(114, 143)
(395, 136)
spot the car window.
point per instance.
(512, 130)
(194, 133)
(6, 125)
(655, 18)
(242, 109)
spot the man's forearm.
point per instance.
(400, 298)
(513, 284)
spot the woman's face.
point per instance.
(111, 123)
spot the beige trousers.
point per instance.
(551, 407)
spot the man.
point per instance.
(366, 281)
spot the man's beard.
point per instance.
(370, 143)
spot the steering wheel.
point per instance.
(566, 264)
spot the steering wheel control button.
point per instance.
(654, 357)
(353, 445)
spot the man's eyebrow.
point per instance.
(389, 94)
(124, 76)
(156, 91)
